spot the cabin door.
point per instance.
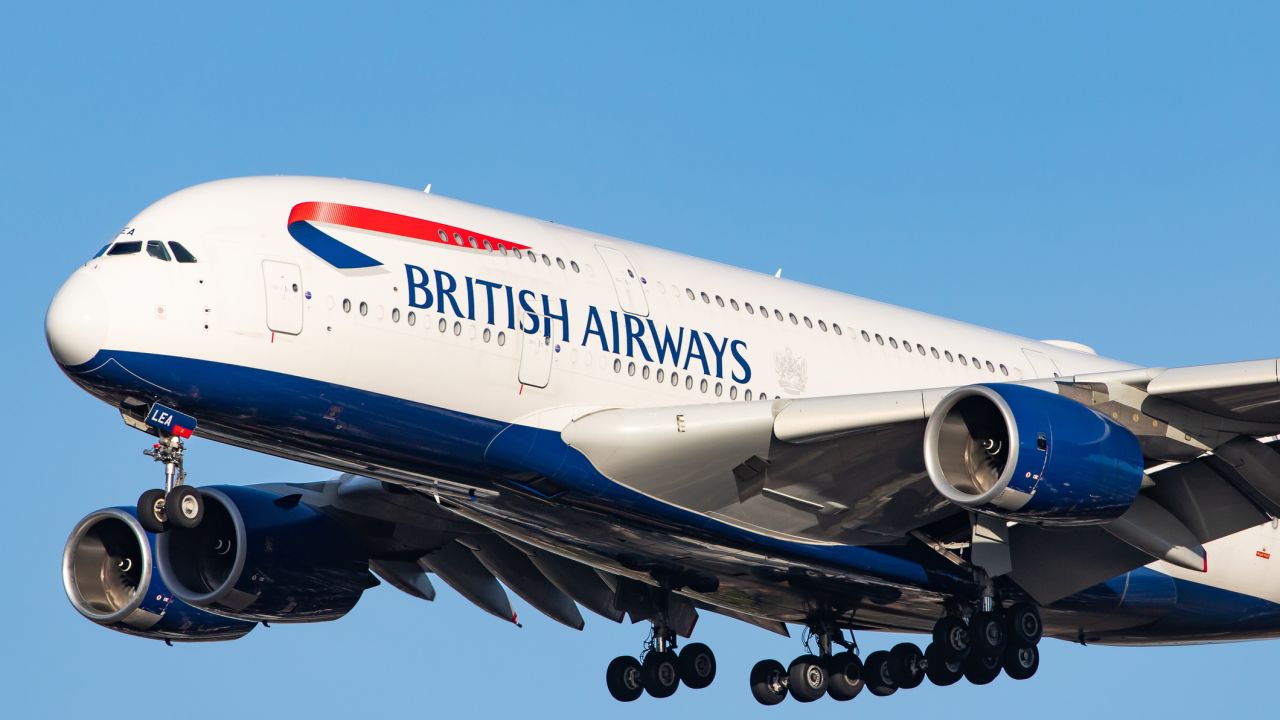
(284, 296)
(626, 283)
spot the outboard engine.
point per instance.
(1019, 453)
(109, 576)
(262, 556)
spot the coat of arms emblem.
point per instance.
(793, 371)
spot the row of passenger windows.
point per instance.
(155, 249)
(411, 318)
(503, 249)
(704, 385)
(821, 324)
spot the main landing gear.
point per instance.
(662, 670)
(976, 649)
(177, 504)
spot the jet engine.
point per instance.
(1019, 453)
(109, 575)
(262, 556)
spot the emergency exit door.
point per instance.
(284, 296)
(535, 360)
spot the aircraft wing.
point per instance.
(850, 470)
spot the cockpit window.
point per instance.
(126, 248)
(180, 253)
(155, 249)
(101, 252)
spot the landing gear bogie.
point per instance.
(906, 666)
(1024, 625)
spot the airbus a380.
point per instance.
(592, 423)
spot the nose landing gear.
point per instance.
(177, 504)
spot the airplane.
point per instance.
(517, 405)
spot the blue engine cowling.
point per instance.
(262, 556)
(108, 572)
(1019, 453)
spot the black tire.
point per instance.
(623, 679)
(844, 676)
(952, 637)
(184, 506)
(151, 512)
(1024, 626)
(906, 665)
(769, 682)
(987, 633)
(875, 673)
(981, 669)
(941, 669)
(1020, 663)
(807, 678)
(660, 674)
(697, 666)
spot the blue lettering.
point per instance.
(719, 351)
(613, 318)
(511, 309)
(595, 327)
(635, 333)
(418, 282)
(663, 344)
(489, 287)
(525, 297)
(471, 298)
(742, 362)
(445, 291)
(695, 341)
(563, 317)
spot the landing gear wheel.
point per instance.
(151, 512)
(660, 674)
(769, 682)
(981, 669)
(941, 669)
(952, 638)
(1025, 628)
(623, 679)
(987, 632)
(807, 678)
(697, 666)
(844, 676)
(1020, 663)
(875, 673)
(906, 666)
(184, 506)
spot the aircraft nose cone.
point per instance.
(76, 323)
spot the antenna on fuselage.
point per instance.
(427, 189)
(778, 274)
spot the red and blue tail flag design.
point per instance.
(343, 256)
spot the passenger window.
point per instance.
(893, 343)
(837, 329)
(155, 249)
(750, 310)
(733, 304)
(126, 248)
(777, 314)
(706, 299)
(720, 301)
(879, 339)
(866, 336)
(794, 321)
(180, 253)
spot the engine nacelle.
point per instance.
(1024, 454)
(109, 575)
(261, 556)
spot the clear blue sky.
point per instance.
(1101, 173)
